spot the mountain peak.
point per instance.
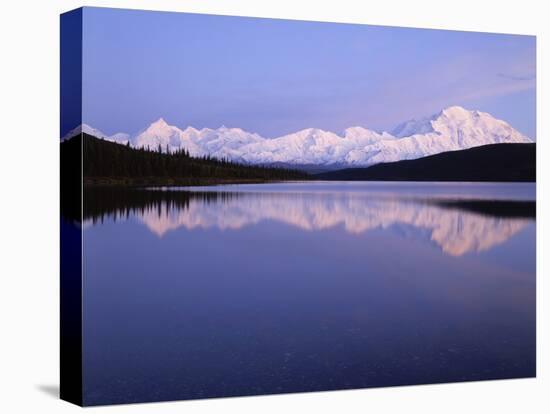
(456, 111)
(450, 115)
(191, 130)
(159, 123)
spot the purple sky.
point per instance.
(278, 76)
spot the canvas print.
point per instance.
(260, 206)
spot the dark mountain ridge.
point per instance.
(495, 162)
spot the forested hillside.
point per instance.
(497, 162)
(107, 162)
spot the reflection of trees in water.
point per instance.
(117, 203)
(457, 226)
(496, 208)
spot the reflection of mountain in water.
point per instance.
(457, 229)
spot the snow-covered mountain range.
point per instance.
(454, 128)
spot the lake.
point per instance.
(305, 286)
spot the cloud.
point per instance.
(517, 77)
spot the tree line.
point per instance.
(102, 202)
(109, 160)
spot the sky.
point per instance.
(275, 77)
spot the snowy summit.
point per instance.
(454, 128)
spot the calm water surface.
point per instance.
(274, 288)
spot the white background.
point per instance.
(29, 206)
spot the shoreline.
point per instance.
(169, 182)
